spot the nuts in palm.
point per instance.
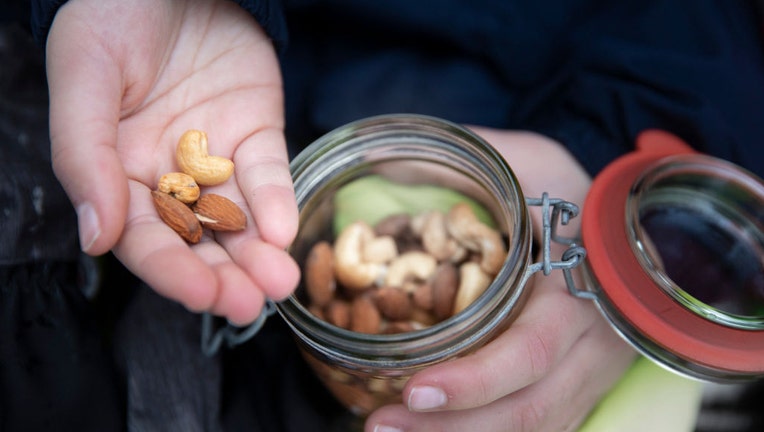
(178, 198)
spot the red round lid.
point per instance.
(633, 295)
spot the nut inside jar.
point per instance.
(404, 272)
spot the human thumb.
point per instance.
(85, 99)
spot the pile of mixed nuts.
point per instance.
(405, 273)
(178, 198)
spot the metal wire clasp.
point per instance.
(232, 335)
(555, 212)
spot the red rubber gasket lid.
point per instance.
(631, 291)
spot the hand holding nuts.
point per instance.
(178, 198)
(365, 284)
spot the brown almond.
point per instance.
(319, 274)
(422, 296)
(337, 312)
(364, 316)
(445, 283)
(218, 213)
(177, 216)
(393, 303)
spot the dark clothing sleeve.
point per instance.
(267, 12)
(591, 74)
(692, 68)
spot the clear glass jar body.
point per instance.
(365, 371)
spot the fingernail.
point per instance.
(426, 398)
(385, 428)
(90, 228)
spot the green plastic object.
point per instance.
(372, 198)
(647, 398)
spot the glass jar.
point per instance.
(675, 258)
(365, 371)
(672, 247)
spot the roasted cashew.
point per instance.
(431, 227)
(472, 282)
(194, 160)
(180, 186)
(414, 264)
(380, 250)
(471, 233)
(351, 268)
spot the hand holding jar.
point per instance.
(558, 357)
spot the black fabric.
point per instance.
(55, 373)
(38, 221)
(267, 12)
(591, 73)
(171, 384)
(268, 387)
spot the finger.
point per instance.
(265, 181)
(202, 277)
(157, 255)
(269, 267)
(559, 402)
(550, 324)
(238, 298)
(85, 97)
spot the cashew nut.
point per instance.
(472, 282)
(180, 186)
(380, 250)
(467, 229)
(431, 227)
(194, 160)
(413, 264)
(351, 269)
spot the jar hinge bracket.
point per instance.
(231, 334)
(556, 212)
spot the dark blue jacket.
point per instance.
(589, 73)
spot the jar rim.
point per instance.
(708, 188)
(679, 337)
(446, 338)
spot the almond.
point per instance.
(337, 312)
(364, 316)
(177, 216)
(218, 213)
(319, 274)
(394, 303)
(445, 283)
(422, 296)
